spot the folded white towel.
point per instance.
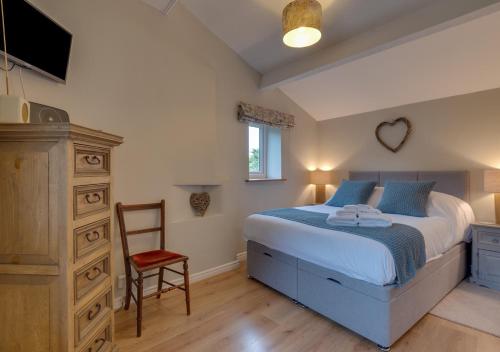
(373, 216)
(351, 208)
(374, 223)
(359, 215)
(374, 220)
(369, 211)
(343, 220)
(345, 216)
(360, 208)
(343, 212)
(337, 222)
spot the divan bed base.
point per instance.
(381, 314)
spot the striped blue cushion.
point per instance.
(406, 197)
(352, 192)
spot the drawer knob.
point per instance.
(92, 236)
(97, 271)
(92, 314)
(495, 240)
(93, 198)
(97, 342)
(92, 159)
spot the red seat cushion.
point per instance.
(154, 257)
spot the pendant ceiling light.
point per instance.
(302, 23)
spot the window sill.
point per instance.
(265, 179)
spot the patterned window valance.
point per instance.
(258, 114)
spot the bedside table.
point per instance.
(486, 255)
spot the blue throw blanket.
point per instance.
(405, 243)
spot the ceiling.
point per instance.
(258, 38)
(374, 54)
(163, 5)
(459, 60)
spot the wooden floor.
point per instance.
(233, 313)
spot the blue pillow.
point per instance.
(406, 197)
(352, 192)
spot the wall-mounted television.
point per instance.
(35, 41)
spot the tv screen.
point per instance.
(35, 41)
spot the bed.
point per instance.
(350, 279)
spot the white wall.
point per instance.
(171, 88)
(459, 133)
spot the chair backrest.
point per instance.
(121, 209)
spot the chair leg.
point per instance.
(186, 287)
(128, 289)
(139, 304)
(160, 282)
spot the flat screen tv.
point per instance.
(35, 41)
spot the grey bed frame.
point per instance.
(381, 314)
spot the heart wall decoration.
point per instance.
(388, 124)
(199, 202)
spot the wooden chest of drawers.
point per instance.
(56, 228)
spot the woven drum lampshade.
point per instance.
(302, 23)
(320, 177)
(492, 181)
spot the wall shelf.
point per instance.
(192, 184)
(265, 179)
(182, 211)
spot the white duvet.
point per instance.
(359, 257)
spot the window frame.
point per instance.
(262, 173)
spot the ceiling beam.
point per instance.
(164, 6)
(431, 19)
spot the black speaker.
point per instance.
(40, 113)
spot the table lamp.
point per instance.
(320, 178)
(492, 185)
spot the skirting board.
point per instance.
(242, 256)
(205, 274)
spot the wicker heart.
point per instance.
(199, 202)
(403, 120)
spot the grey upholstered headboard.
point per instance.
(455, 183)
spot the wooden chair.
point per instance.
(150, 260)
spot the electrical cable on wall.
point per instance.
(22, 81)
(6, 69)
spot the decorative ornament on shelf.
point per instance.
(13, 109)
(401, 120)
(302, 23)
(199, 202)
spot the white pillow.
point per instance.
(458, 212)
(375, 197)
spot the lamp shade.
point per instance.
(320, 177)
(302, 23)
(492, 181)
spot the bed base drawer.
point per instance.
(273, 268)
(327, 295)
(271, 253)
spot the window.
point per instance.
(264, 152)
(256, 162)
